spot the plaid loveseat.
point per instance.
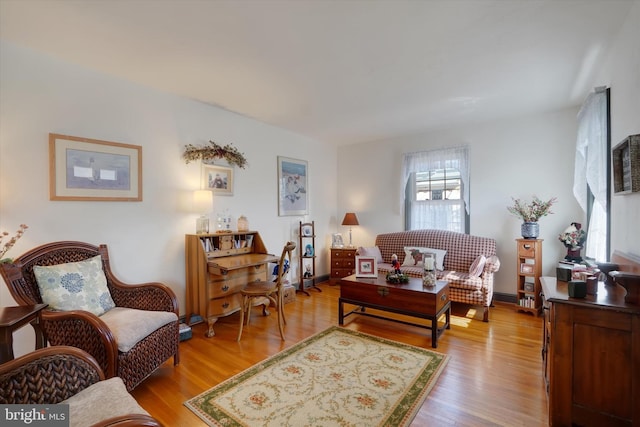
(462, 251)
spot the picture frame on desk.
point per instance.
(366, 266)
(336, 241)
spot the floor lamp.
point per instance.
(350, 219)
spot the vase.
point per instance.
(530, 230)
(573, 254)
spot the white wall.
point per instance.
(40, 95)
(622, 74)
(518, 158)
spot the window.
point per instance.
(592, 175)
(436, 190)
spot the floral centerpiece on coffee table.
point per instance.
(397, 278)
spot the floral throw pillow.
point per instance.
(75, 286)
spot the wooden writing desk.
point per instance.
(216, 275)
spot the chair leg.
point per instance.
(281, 318)
(281, 299)
(242, 310)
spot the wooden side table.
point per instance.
(343, 263)
(12, 318)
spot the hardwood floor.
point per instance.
(493, 378)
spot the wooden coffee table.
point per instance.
(411, 299)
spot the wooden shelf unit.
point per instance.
(307, 247)
(528, 273)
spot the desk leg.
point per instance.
(340, 312)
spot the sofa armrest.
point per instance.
(492, 265)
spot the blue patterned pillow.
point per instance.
(75, 286)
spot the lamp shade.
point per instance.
(350, 218)
(202, 201)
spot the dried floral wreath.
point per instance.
(215, 151)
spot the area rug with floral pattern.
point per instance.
(338, 377)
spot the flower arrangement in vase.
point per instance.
(573, 238)
(530, 213)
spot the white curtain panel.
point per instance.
(591, 169)
(430, 214)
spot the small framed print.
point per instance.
(526, 268)
(366, 266)
(307, 231)
(336, 241)
(218, 179)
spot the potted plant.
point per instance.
(530, 213)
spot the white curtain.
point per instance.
(591, 170)
(442, 214)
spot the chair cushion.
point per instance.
(372, 252)
(75, 286)
(100, 401)
(130, 326)
(413, 257)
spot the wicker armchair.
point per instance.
(89, 332)
(64, 374)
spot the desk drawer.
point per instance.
(234, 281)
(218, 307)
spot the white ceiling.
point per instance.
(340, 71)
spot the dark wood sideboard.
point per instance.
(591, 354)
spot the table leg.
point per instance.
(434, 332)
(340, 312)
(6, 345)
(41, 340)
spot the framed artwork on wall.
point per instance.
(218, 179)
(293, 187)
(83, 169)
(366, 266)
